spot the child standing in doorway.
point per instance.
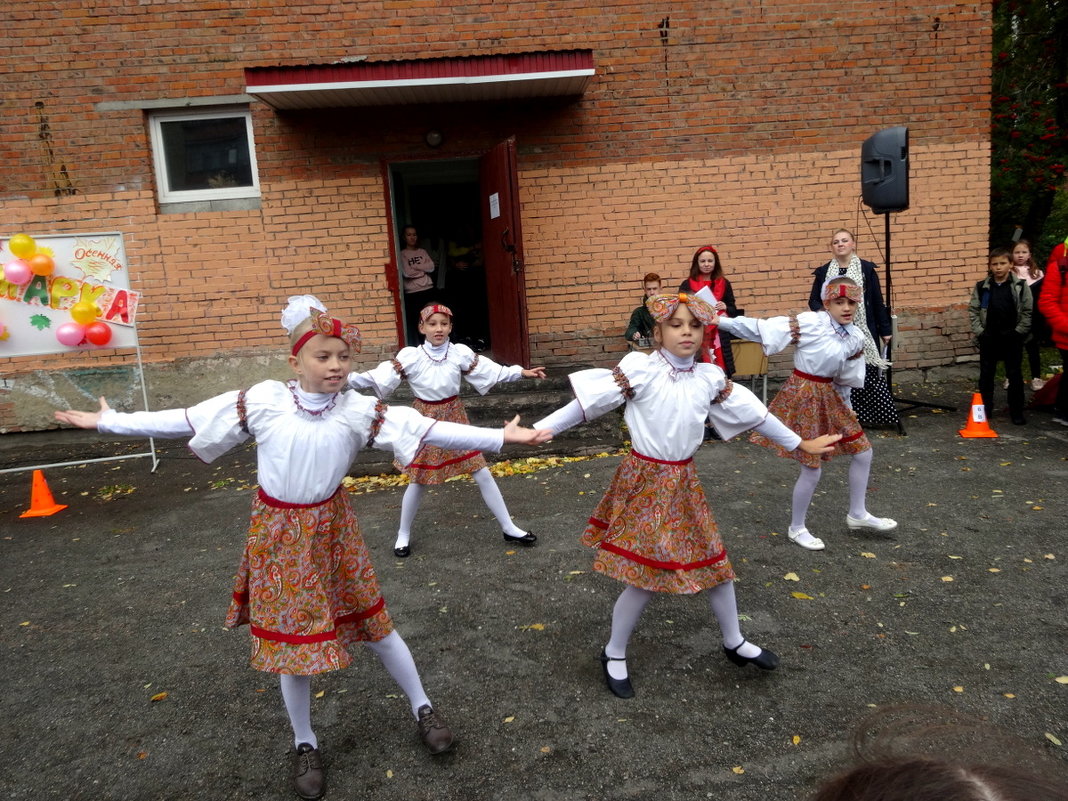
(306, 586)
(434, 370)
(653, 530)
(828, 363)
(1000, 313)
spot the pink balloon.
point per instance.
(70, 334)
(17, 271)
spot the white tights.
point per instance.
(394, 654)
(491, 495)
(632, 602)
(805, 488)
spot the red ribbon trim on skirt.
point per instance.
(645, 560)
(325, 636)
(659, 461)
(446, 463)
(852, 437)
(817, 378)
(277, 504)
(450, 399)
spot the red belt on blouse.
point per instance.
(438, 402)
(818, 378)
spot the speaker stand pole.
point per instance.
(909, 404)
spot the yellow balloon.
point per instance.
(22, 245)
(84, 312)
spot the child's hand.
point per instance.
(534, 372)
(513, 432)
(824, 444)
(83, 419)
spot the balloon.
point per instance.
(22, 245)
(70, 334)
(17, 271)
(84, 312)
(98, 333)
(41, 264)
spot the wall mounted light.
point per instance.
(434, 138)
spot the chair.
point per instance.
(750, 360)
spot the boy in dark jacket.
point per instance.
(1000, 313)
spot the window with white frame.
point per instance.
(204, 155)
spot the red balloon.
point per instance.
(98, 333)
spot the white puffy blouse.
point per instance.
(434, 373)
(305, 442)
(667, 405)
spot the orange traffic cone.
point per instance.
(977, 426)
(41, 502)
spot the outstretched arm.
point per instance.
(513, 432)
(83, 419)
(534, 372)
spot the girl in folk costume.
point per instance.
(306, 585)
(434, 370)
(873, 402)
(653, 529)
(706, 270)
(828, 364)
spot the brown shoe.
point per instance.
(309, 779)
(436, 736)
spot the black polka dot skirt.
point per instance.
(874, 404)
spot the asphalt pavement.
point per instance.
(120, 682)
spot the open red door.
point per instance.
(502, 249)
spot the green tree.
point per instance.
(1029, 131)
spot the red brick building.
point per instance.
(251, 151)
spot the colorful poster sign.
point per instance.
(65, 292)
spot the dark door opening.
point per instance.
(465, 213)
(440, 200)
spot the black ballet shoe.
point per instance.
(526, 540)
(403, 552)
(621, 688)
(765, 660)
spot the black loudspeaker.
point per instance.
(884, 170)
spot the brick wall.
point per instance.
(730, 123)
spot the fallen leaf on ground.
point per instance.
(795, 739)
(533, 627)
(802, 597)
(740, 770)
(1061, 679)
(867, 554)
(1053, 739)
(1009, 695)
(947, 578)
(158, 697)
(958, 689)
(320, 694)
(792, 577)
(509, 719)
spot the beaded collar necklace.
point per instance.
(675, 364)
(431, 351)
(330, 404)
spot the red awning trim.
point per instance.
(434, 80)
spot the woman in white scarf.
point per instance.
(873, 404)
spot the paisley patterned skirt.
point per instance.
(653, 529)
(432, 465)
(812, 408)
(306, 587)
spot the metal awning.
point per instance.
(554, 73)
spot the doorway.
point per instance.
(440, 200)
(465, 213)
